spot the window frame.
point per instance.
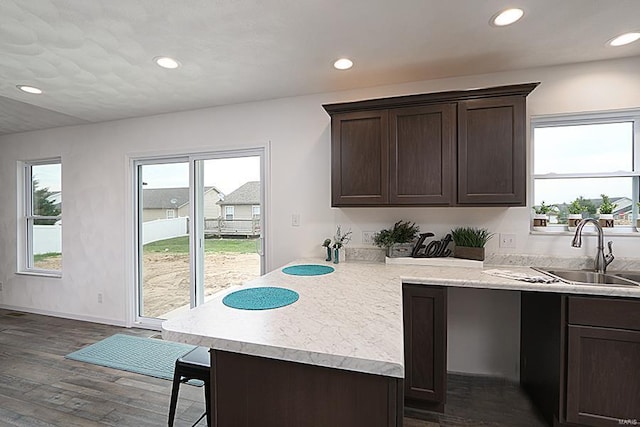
(575, 119)
(26, 257)
(255, 215)
(232, 209)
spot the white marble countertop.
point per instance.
(350, 319)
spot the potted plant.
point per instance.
(638, 219)
(339, 240)
(606, 211)
(470, 242)
(541, 216)
(575, 209)
(398, 240)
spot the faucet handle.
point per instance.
(608, 258)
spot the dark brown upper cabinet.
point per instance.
(491, 151)
(421, 154)
(460, 148)
(360, 159)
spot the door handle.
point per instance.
(259, 243)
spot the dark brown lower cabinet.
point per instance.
(250, 391)
(580, 358)
(603, 362)
(425, 346)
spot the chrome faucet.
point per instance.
(602, 260)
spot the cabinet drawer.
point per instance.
(606, 312)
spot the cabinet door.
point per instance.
(425, 346)
(360, 158)
(491, 151)
(603, 376)
(421, 143)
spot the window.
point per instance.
(580, 158)
(42, 220)
(228, 213)
(255, 211)
(171, 213)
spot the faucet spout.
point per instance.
(601, 260)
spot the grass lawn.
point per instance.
(181, 245)
(40, 257)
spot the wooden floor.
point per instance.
(39, 387)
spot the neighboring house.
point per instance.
(167, 203)
(240, 212)
(242, 203)
(624, 206)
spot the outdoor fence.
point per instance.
(236, 227)
(48, 238)
(161, 229)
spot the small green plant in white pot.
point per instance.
(606, 211)
(541, 215)
(575, 209)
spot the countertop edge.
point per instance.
(355, 364)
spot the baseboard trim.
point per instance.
(70, 316)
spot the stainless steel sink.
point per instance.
(585, 277)
(629, 275)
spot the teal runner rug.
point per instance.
(147, 356)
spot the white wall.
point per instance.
(96, 182)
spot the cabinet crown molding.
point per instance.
(522, 89)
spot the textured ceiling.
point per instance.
(93, 58)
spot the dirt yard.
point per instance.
(166, 277)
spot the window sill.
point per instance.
(54, 275)
(559, 231)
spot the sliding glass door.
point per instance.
(200, 229)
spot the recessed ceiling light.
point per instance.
(507, 17)
(623, 39)
(166, 62)
(343, 64)
(30, 89)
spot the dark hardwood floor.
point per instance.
(40, 388)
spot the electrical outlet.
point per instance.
(367, 237)
(508, 241)
(99, 297)
(295, 220)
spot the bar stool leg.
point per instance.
(174, 396)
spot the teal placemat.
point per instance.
(147, 356)
(260, 298)
(308, 270)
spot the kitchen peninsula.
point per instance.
(337, 355)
